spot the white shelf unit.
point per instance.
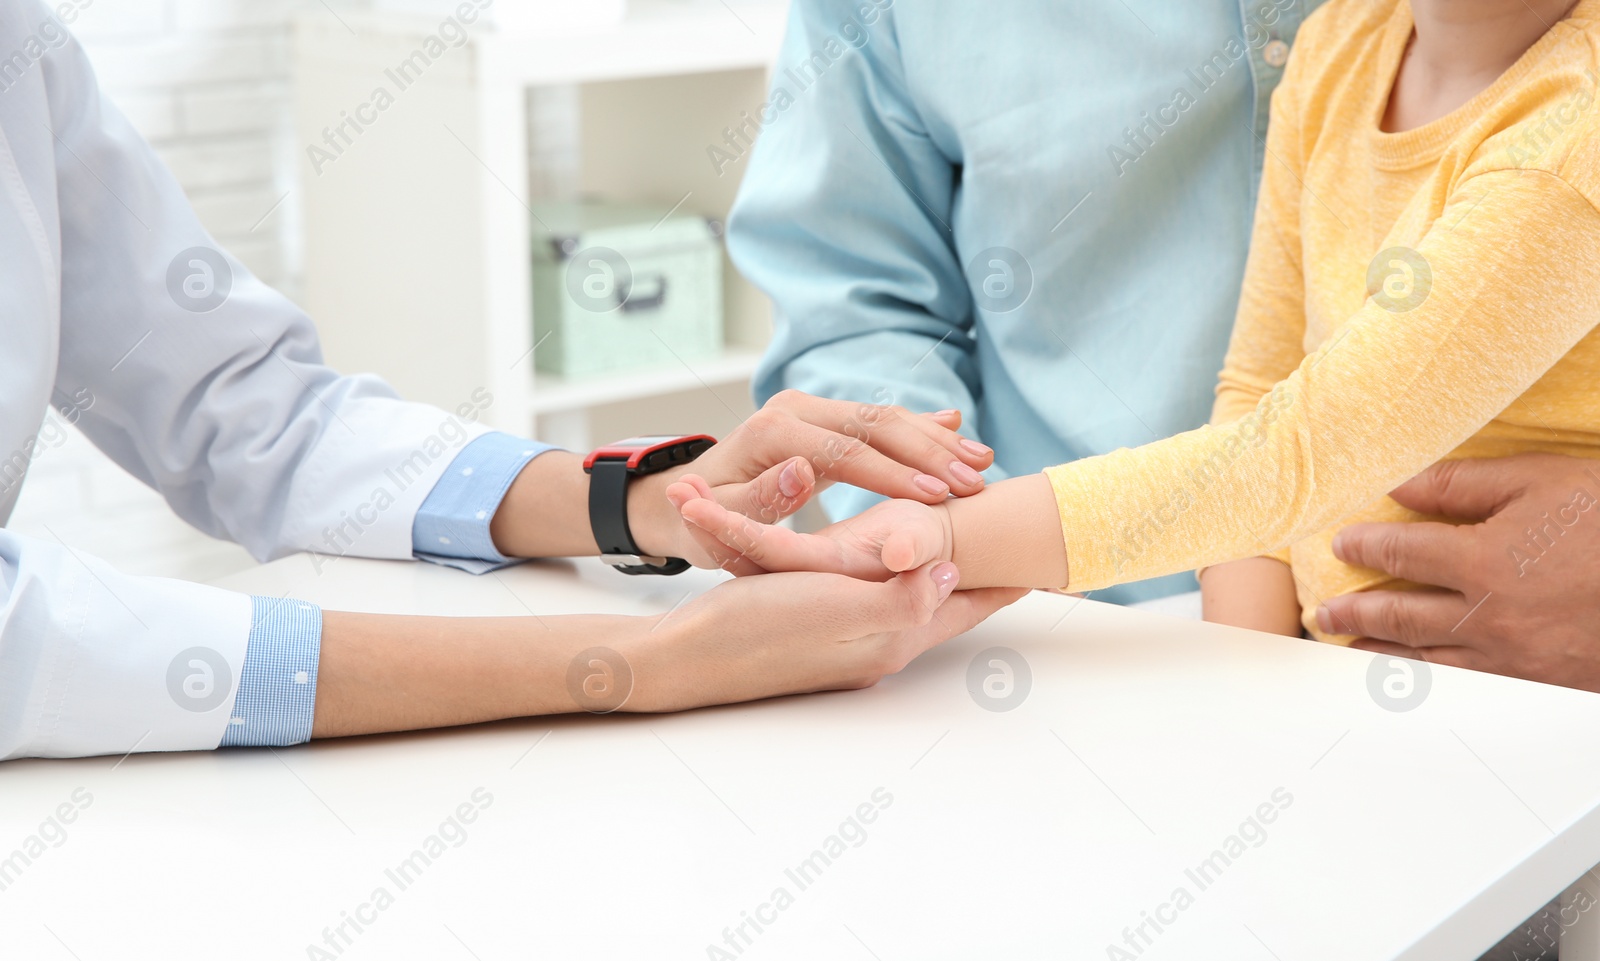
(417, 231)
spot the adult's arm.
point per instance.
(746, 639)
(209, 386)
(204, 383)
(844, 219)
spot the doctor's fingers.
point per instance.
(918, 610)
(887, 450)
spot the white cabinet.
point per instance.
(415, 190)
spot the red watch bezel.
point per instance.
(634, 456)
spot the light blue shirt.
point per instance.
(277, 694)
(1035, 212)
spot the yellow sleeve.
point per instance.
(1268, 339)
(1515, 284)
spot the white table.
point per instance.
(1042, 831)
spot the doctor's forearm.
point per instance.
(545, 512)
(381, 672)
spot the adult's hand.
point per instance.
(778, 634)
(794, 447)
(1515, 588)
(767, 468)
(742, 640)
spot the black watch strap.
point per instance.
(608, 518)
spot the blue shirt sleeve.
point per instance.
(452, 526)
(277, 694)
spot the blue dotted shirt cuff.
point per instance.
(452, 526)
(277, 696)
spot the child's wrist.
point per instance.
(1008, 535)
(947, 527)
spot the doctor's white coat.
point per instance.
(115, 311)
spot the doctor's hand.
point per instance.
(767, 468)
(885, 539)
(751, 638)
(1515, 583)
(797, 445)
(779, 634)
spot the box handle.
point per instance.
(632, 302)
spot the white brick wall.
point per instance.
(207, 82)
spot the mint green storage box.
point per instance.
(617, 287)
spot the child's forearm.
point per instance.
(1009, 535)
(1255, 593)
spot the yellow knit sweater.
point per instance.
(1409, 297)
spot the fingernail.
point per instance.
(965, 474)
(1324, 619)
(974, 447)
(789, 482)
(1338, 545)
(931, 484)
(944, 577)
(946, 412)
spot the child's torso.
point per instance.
(1368, 199)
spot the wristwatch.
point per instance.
(609, 469)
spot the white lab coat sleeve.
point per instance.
(97, 662)
(203, 381)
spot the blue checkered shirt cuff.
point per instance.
(277, 696)
(452, 526)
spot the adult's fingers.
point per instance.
(861, 420)
(964, 610)
(1412, 618)
(774, 436)
(853, 433)
(834, 606)
(910, 599)
(1453, 656)
(920, 609)
(877, 627)
(1426, 552)
(1469, 490)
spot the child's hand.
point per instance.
(891, 537)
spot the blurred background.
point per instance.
(522, 212)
